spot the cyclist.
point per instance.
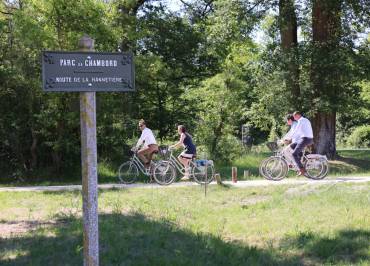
(304, 136)
(150, 146)
(288, 140)
(190, 150)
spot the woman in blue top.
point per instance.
(190, 149)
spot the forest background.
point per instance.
(212, 65)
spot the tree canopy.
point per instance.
(213, 65)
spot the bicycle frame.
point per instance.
(177, 164)
(290, 162)
(135, 160)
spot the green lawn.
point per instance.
(284, 225)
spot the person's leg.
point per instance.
(287, 152)
(142, 154)
(184, 160)
(153, 148)
(181, 159)
(298, 151)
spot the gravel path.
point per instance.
(249, 183)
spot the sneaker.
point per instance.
(301, 172)
(185, 178)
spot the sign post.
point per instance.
(89, 170)
(87, 72)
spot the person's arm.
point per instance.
(180, 142)
(288, 136)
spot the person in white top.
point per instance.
(287, 139)
(147, 140)
(303, 135)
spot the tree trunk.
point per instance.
(129, 11)
(326, 36)
(289, 42)
(324, 134)
(33, 149)
(217, 135)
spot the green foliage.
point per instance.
(360, 137)
(220, 107)
(201, 67)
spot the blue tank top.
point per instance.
(189, 145)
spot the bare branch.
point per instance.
(186, 4)
(255, 5)
(5, 13)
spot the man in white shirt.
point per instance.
(150, 146)
(304, 136)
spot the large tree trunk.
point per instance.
(324, 133)
(289, 42)
(326, 35)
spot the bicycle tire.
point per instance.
(128, 173)
(261, 169)
(164, 173)
(274, 168)
(321, 166)
(203, 174)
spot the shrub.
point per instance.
(228, 148)
(360, 137)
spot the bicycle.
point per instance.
(202, 171)
(276, 167)
(128, 172)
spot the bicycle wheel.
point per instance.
(316, 168)
(262, 169)
(128, 172)
(274, 168)
(203, 174)
(164, 173)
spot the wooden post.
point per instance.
(89, 169)
(234, 174)
(218, 179)
(246, 174)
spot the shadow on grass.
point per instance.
(346, 247)
(132, 240)
(357, 163)
(136, 240)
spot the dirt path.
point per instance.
(249, 183)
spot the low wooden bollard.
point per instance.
(218, 179)
(246, 174)
(234, 174)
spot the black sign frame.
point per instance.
(103, 72)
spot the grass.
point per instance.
(284, 225)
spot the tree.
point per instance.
(289, 46)
(325, 74)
